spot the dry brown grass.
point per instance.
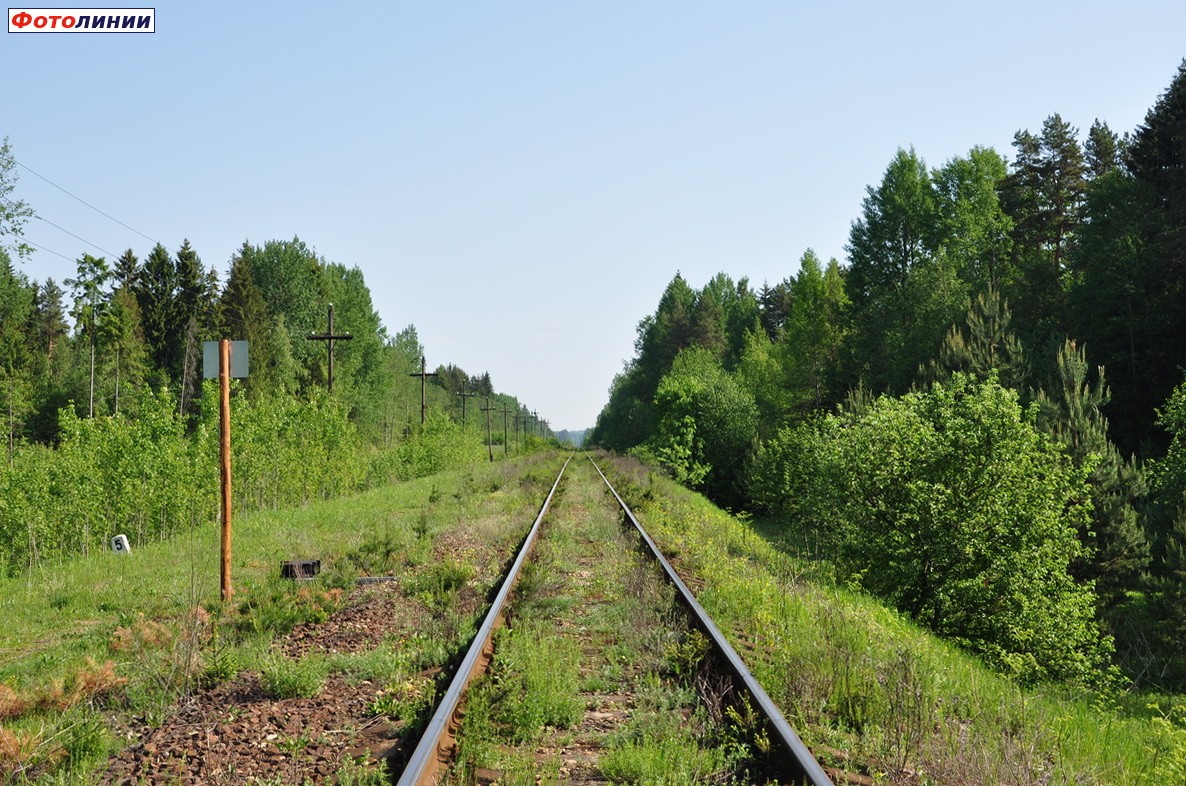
(12, 704)
(90, 682)
(17, 749)
(143, 634)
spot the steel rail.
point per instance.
(429, 754)
(797, 759)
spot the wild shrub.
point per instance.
(952, 505)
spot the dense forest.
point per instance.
(109, 427)
(980, 415)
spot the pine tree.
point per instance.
(1116, 551)
(812, 336)
(192, 312)
(775, 304)
(52, 358)
(127, 364)
(1129, 293)
(1044, 196)
(49, 315)
(988, 346)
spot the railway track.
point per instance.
(726, 687)
(629, 656)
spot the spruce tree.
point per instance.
(156, 294)
(244, 317)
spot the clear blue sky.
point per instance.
(520, 180)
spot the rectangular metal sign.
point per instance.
(210, 359)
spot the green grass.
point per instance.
(285, 678)
(157, 616)
(592, 619)
(863, 685)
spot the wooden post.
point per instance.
(464, 396)
(224, 413)
(329, 337)
(487, 409)
(505, 447)
(424, 375)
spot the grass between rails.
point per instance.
(872, 693)
(89, 644)
(593, 676)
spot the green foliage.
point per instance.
(988, 347)
(538, 678)
(1043, 196)
(13, 213)
(951, 505)
(905, 288)
(406, 700)
(975, 230)
(440, 444)
(669, 755)
(1168, 535)
(1115, 550)
(706, 424)
(813, 335)
(286, 450)
(437, 584)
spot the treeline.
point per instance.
(980, 415)
(110, 428)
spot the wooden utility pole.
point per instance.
(464, 396)
(505, 411)
(224, 412)
(487, 409)
(329, 338)
(424, 375)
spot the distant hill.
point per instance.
(574, 438)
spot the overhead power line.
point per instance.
(68, 232)
(92, 207)
(47, 250)
(78, 237)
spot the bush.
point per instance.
(950, 504)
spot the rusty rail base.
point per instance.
(795, 761)
(436, 743)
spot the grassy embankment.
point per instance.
(872, 693)
(87, 644)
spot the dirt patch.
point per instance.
(234, 734)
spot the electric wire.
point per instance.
(78, 237)
(47, 250)
(11, 204)
(92, 207)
